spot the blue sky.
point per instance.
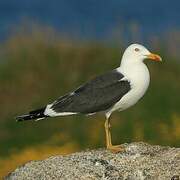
(92, 18)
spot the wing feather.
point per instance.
(96, 95)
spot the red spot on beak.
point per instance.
(154, 57)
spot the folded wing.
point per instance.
(97, 95)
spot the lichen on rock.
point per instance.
(140, 161)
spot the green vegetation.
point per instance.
(37, 67)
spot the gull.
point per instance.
(115, 90)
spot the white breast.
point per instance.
(139, 78)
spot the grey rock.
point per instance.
(140, 161)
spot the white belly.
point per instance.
(139, 79)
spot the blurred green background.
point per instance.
(38, 64)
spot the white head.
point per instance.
(137, 53)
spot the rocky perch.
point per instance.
(140, 161)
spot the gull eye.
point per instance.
(137, 49)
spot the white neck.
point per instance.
(130, 60)
(136, 72)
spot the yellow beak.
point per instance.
(154, 57)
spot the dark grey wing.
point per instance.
(96, 95)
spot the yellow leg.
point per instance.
(116, 148)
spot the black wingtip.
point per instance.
(32, 115)
(22, 118)
(18, 119)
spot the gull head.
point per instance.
(136, 53)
